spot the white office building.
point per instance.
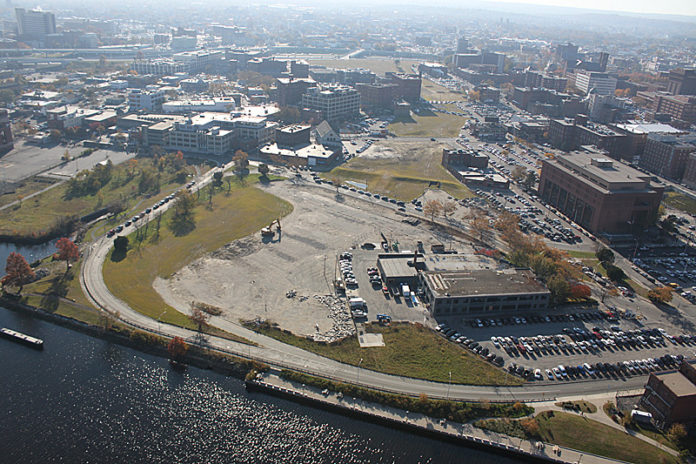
(150, 99)
(600, 83)
(336, 102)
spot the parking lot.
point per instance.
(585, 344)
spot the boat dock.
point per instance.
(21, 338)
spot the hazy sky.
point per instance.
(672, 7)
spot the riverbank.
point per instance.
(466, 434)
(144, 341)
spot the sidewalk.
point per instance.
(464, 432)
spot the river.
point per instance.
(84, 399)
(30, 252)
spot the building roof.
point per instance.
(307, 151)
(396, 266)
(483, 282)
(649, 128)
(601, 173)
(324, 129)
(678, 383)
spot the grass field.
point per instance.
(38, 214)
(410, 351)
(26, 187)
(590, 436)
(244, 211)
(680, 201)
(401, 170)
(432, 91)
(428, 125)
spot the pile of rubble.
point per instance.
(342, 322)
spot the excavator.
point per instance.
(268, 231)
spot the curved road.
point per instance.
(280, 355)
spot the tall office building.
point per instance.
(35, 24)
(601, 83)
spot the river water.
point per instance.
(31, 252)
(85, 400)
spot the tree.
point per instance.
(605, 255)
(559, 288)
(121, 244)
(18, 272)
(518, 173)
(7, 96)
(241, 163)
(432, 208)
(177, 349)
(217, 179)
(448, 207)
(198, 317)
(264, 170)
(67, 251)
(183, 219)
(480, 226)
(530, 180)
(289, 115)
(615, 273)
(677, 433)
(580, 291)
(660, 295)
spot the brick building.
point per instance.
(567, 135)
(682, 107)
(671, 396)
(377, 96)
(408, 86)
(689, 178)
(292, 136)
(682, 82)
(290, 90)
(6, 139)
(598, 193)
(666, 154)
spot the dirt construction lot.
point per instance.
(251, 278)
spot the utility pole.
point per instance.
(359, 363)
(449, 384)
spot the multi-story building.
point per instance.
(637, 136)
(671, 396)
(291, 89)
(146, 100)
(268, 66)
(189, 62)
(376, 96)
(336, 102)
(602, 195)
(666, 154)
(682, 82)
(689, 178)
(35, 24)
(601, 83)
(67, 117)
(682, 107)
(408, 86)
(567, 135)
(292, 136)
(6, 139)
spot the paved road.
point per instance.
(281, 355)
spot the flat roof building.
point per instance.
(336, 102)
(482, 292)
(599, 193)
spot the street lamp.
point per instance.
(359, 363)
(158, 320)
(449, 384)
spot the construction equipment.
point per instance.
(268, 231)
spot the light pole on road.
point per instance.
(159, 322)
(359, 363)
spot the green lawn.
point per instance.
(590, 436)
(404, 174)
(36, 216)
(244, 211)
(410, 350)
(432, 91)
(680, 201)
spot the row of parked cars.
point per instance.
(346, 265)
(606, 369)
(138, 217)
(536, 319)
(473, 345)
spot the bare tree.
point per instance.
(448, 208)
(432, 208)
